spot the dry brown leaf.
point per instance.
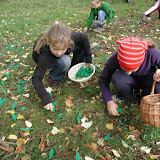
(20, 149)
(67, 143)
(93, 147)
(136, 133)
(24, 134)
(131, 128)
(94, 135)
(25, 158)
(41, 145)
(99, 114)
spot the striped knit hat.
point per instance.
(131, 52)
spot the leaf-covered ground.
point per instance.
(80, 127)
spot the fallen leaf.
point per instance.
(54, 131)
(68, 101)
(94, 135)
(25, 158)
(20, 116)
(136, 133)
(41, 145)
(51, 153)
(12, 136)
(24, 134)
(62, 130)
(28, 124)
(49, 121)
(20, 149)
(109, 126)
(13, 125)
(146, 149)
(20, 141)
(77, 156)
(154, 156)
(116, 154)
(131, 128)
(88, 158)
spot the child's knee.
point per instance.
(65, 62)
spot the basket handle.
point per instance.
(153, 87)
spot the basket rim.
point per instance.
(150, 103)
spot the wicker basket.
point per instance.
(150, 108)
(73, 70)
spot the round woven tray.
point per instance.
(150, 108)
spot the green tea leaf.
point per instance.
(77, 156)
(51, 153)
(78, 118)
(23, 108)
(59, 116)
(107, 136)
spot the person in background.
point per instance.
(101, 13)
(51, 53)
(132, 67)
(155, 7)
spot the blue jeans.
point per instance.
(101, 17)
(58, 68)
(124, 84)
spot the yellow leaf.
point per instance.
(20, 141)
(154, 156)
(13, 125)
(62, 131)
(20, 116)
(10, 111)
(69, 110)
(68, 24)
(69, 102)
(48, 134)
(109, 126)
(12, 136)
(31, 71)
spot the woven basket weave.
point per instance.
(150, 108)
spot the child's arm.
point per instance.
(89, 20)
(109, 12)
(83, 40)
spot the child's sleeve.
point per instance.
(109, 12)
(105, 77)
(90, 18)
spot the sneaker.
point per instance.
(98, 22)
(53, 83)
(98, 29)
(144, 17)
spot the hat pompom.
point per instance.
(131, 52)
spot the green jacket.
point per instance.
(104, 7)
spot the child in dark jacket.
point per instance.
(101, 13)
(133, 66)
(50, 52)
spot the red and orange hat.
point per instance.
(131, 52)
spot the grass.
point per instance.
(21, 22)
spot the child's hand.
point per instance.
(156, 76)
(112, 108)
(85, 29)
(49, 107)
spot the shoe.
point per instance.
(98, 22)
(53, 83)
(98, 29)
(144, 17)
